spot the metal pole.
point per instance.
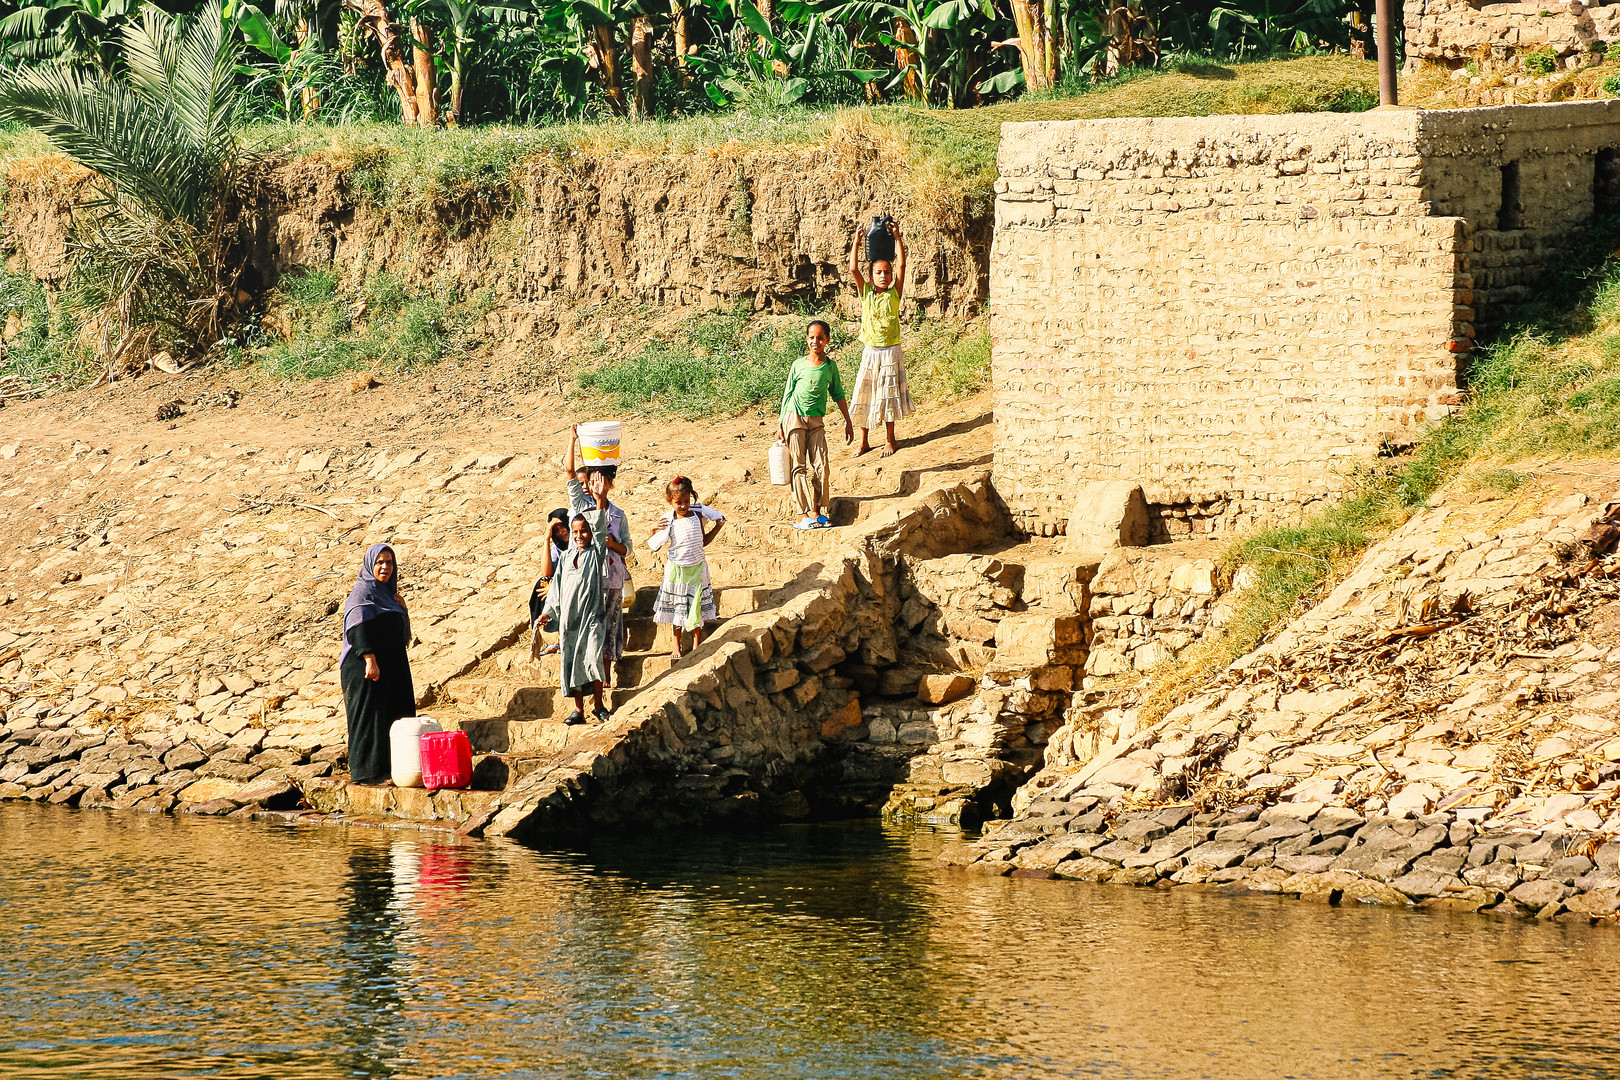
(1387, 94)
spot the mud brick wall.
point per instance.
(1236, 311)
(1496, 36)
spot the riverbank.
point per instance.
(1439, 730)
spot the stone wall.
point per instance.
(1497, 36)
(1235, 311)
(807, 706)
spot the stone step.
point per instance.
(540, 695)
(530, 744)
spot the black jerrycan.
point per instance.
(879, 243)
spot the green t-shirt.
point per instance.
(808, 386)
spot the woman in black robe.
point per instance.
(376, 675)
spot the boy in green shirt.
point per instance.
(811, 381)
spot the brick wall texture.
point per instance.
(1496, 35)
(1235, 312)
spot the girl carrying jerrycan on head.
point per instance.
(882, 395)
(685, 600)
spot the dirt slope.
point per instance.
(161, 573)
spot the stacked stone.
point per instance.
(1497, 37)
(207, 774)
(995, 740)
(1315, 852)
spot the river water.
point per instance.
(144, 946)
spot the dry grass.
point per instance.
(1430, 87)
(943, 160)
(1549, 391)
(47, 176)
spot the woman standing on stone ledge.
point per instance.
(373, 667)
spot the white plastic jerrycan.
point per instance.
(405, 749)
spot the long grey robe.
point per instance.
(579, 601)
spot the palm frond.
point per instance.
(188, 68)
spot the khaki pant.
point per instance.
(807, 452)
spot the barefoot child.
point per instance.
(577, 599)
(811, 381)
(685, 600)
(882, 395)
(596, 483)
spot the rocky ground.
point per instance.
(1440, 729)
(169, 588)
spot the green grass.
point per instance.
(712, 365)
(17, 141)
(724, 363)
(1548, 388)
(45, 348)
(314, 331)
(943, 361)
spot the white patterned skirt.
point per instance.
(685, 599)
(881, 391)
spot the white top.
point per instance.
(684, 535)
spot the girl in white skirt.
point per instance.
(685, 600)
(881, 393)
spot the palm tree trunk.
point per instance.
(427, 87)
(641, 62)
(767, 11)
(376, 21)
(310, 98)
(458, 58)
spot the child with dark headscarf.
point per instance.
(373, 668)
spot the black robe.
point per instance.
(374, 706)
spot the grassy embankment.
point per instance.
(715, 363)
(1549, 389)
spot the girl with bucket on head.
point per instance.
(882, 394)
(593, 495)
(373, 669)
(812, 379)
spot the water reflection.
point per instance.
(137, 946)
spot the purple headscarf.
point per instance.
(370, 598)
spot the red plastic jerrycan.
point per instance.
(446, 760)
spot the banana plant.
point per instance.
(260, 33)
(771, 67)
(1266, 27)
(936, 45)
(71, 31)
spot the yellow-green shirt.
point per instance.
(880, 317)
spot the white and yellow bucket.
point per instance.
(599, 442)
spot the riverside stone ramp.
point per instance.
(168, 609)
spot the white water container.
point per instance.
(781, 473)
(599, 442)
(405, 749)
